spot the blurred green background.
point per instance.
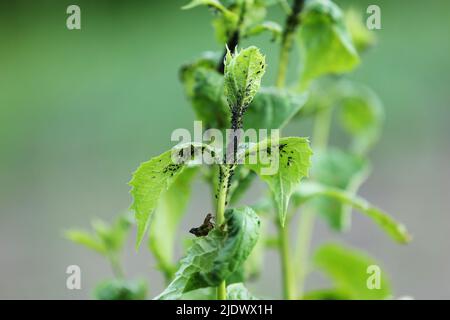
(79, 110)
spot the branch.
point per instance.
(292, 22)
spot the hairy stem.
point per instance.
(292, 22)
(220, 218)
(286, 263)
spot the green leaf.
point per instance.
(207, 97)
(361, 115)
(85, 239)
(288, 161)
(113, 237)
(251, 13)
(255, 262)
(238, 291)
(394, 229)
(362, 37)
(107, 239)
(322, 95)
(200, 294)
(243, 72)
(208, 61)
(272, 108)
(326, 294)
(168, 214)
(224, 23)
(119, 289)
(325, 43)
(254, 13)
(155, 176)
(274, 28)
(212, 3)
(348, 269)
(342, 170)
(217, 256)
(360, 110)
(242, 234)
(204, 87)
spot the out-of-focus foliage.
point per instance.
(119, 289)
(350, 271)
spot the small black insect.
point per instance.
(205, 228)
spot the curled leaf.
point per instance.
(217, 256)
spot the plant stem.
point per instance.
(220, 218)
(233, 40)
(292, 22)
(321, 129)
(286, 264)
(115, 266)
(304, 232)
(231, 45)
(321, 132)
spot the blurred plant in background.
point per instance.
(224, 90)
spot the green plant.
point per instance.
(225, 92)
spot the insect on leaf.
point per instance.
(217, 256)
(286, 162)
(243, 72)
(155, 176)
